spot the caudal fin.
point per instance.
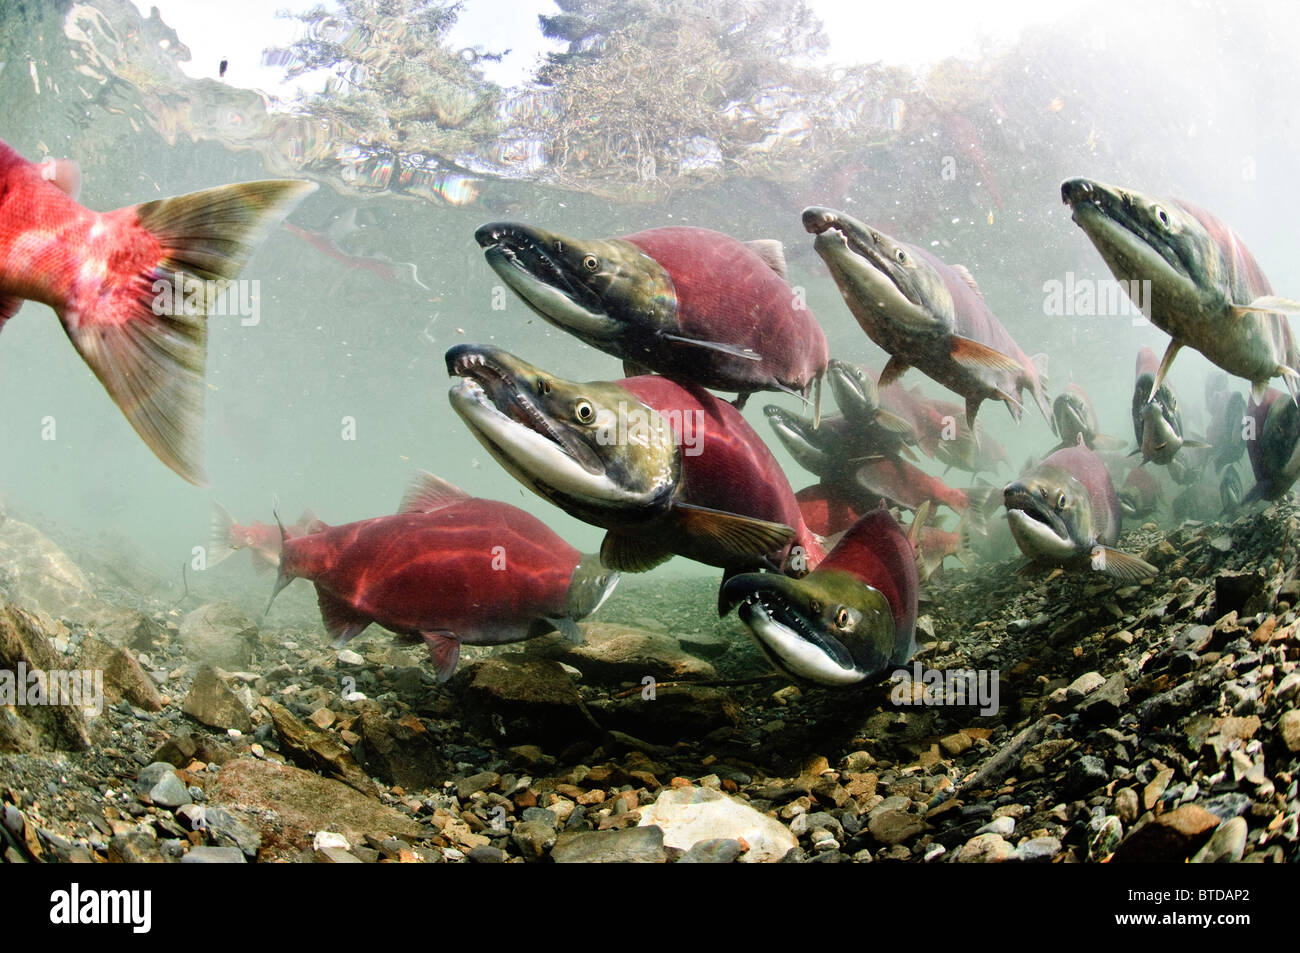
(984, 501)
(219, 547)
(143, 330)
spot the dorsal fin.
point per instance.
(964, 274)
(428, 493)
(771, 251)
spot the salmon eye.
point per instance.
(901, 256)
(584, 412)
(591, 263)
(1060, 502)
(1163, 216)
(842, 617)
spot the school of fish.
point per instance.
(826, 578)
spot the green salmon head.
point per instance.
(886, 283)
(800, 438)
(856, 394)
(829, 627)
(586, 447)
(589, 587)
(597, 290)
(1072, 417)
(1050, 515)
(1146, 239)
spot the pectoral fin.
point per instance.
(561, 624)
(1170, 353)
(973, 355)
(1121, 565)
(1103, 442)
(1268, 304)
(894, 424)
(892, 372)
(731, 351)
(742, 537)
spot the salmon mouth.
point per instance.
(881, 291)
(522, 248)
(851, 394)
(791, 642)
(490, 388)
(1072, 417)
(1034, 509)
(521, 257)
(831, 228)
(1119, 218)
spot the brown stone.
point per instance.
(1171, 837)
(316, 750)
(123, 676)
(211, 702)
(23, 641)
(290, 805)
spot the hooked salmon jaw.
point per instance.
(522, 261)
(793, 645)
(1036, 528)
(868, 276)
(523, 438)
(1136, 239)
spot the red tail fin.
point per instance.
(146, 342)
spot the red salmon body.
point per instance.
(728, 293)
(724, 464)
(449, 568)
(479, 568)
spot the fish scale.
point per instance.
(736, 472)
(719, 282)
